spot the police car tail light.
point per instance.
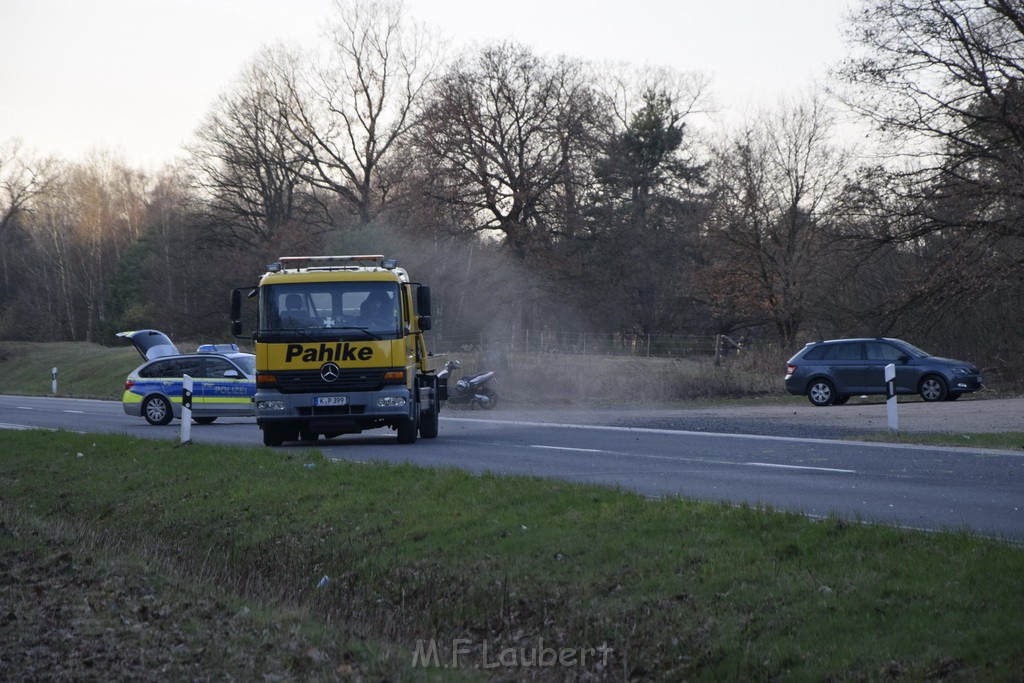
(128, 384)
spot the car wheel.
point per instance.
(821, 393)
(204, 420)
(157, 410)
(933, 388)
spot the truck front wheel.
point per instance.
(407, 430)
(429, 418)
(274, 435)
(429, 423)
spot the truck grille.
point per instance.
(300, 381)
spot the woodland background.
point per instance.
(542, 195)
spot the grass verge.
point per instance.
(83, 370)
(996, 440)
(223, 550)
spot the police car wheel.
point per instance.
(157, 410)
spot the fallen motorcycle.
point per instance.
(474, 390)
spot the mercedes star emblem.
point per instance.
(329, 372)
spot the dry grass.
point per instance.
(592, 380)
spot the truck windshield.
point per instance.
(331, 309)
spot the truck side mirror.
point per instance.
(423, 306)
(236, 310)
(236, 305)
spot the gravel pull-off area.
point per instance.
(858, 417)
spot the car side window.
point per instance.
(882, 351)
(172, 369)
(852, 351)
(193, 367)
(823, 352)
(216, 367)
(157, 369)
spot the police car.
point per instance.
(224, 380)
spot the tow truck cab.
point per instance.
(340, 349)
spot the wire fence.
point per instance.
(576, 368)
(590, 343)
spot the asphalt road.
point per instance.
(913, 486)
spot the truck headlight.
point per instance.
(391, 401)
(269, 405)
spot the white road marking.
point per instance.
(651, 456)
(579, 450)
(7, 425)
(799, 467)
(756, 437)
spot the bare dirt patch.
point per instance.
(69, 613)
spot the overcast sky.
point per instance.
(135, 77)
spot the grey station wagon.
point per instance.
(830, 372)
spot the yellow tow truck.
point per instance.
(340, 349)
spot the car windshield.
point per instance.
(324, 309)
(247, 363)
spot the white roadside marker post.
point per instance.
(186, 409)
(890, 390)
(53, 384)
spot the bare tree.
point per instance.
(22, 180)
(625, 88)
(248, 163)
(351, 109)
(80, 229)
(944, 80)
(771, 233)
(504, 139)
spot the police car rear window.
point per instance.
(160, 368)
(174, 367)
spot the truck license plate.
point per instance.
(330, 401)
